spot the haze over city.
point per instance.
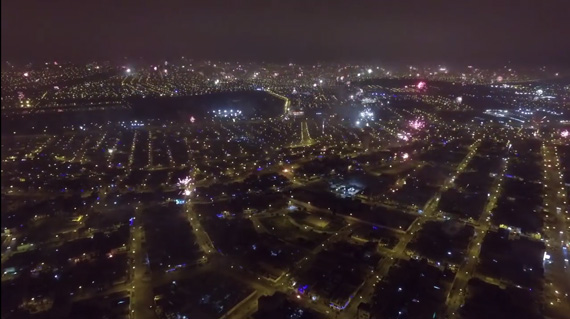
(483, 32)
(285, 159)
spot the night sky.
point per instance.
(531, 32)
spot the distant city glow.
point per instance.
(264, 165)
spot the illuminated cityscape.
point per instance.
(182, 187)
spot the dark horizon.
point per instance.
(415, 32)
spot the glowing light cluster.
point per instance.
(403, 136)
(565, 133)
(184, 181)
(367, 114)
(421, 85)
(417, 124)
(186, 185)
(227, 113)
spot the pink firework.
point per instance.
(564, 134)
(417, 124)
(421, 85)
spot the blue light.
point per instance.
(303, 289)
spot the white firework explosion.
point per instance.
(186, 185)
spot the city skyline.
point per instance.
(285, 159)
